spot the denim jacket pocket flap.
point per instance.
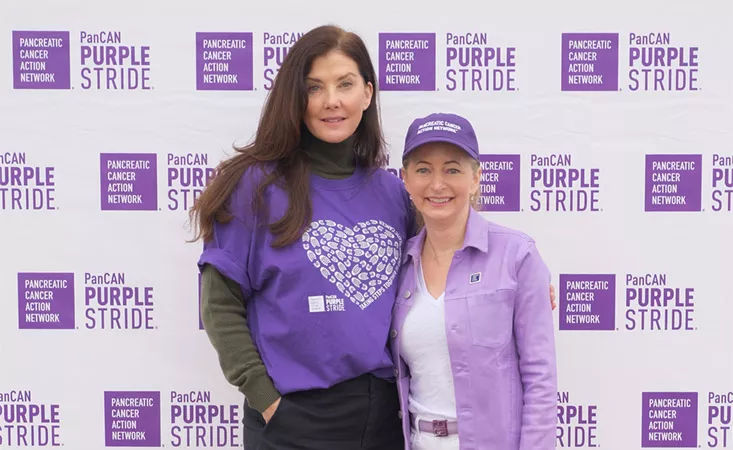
(491, 318)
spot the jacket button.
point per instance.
(407, 294)
(396, 373)
(399, 414)
(393, 333)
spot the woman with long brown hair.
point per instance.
(303, 233)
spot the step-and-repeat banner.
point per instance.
(605, 131)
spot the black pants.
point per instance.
(358, 414)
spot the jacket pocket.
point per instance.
(491, 318)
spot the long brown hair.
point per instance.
(281, 131)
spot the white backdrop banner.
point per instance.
(605, 133)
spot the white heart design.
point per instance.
(360, 261)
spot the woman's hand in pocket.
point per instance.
(270, 411)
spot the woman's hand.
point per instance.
(552, 297)
(270, 411)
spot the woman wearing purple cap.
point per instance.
(472, 333)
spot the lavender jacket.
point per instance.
(500, 338)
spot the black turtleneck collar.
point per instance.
(333, 161)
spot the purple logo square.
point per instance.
(673, 183)
(132, 419)
(668, 419)
(224, 62)
(129, 181)
(41, 60)
(500, 183)
(407, 61)
(587, 302)
(589, 62)
(46, 301)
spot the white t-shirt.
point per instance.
(424, 347)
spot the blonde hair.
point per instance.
(475, 196)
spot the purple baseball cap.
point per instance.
(442, 127)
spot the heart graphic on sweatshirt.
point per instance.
(360, 261)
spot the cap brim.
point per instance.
(428, 140)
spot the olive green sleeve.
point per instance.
(224, 316)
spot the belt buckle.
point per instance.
(440, 428)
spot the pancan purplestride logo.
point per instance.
(46, 301)
(26, 422)
(719, 417)
(722, 183)
(132, 419)
(656, 63)
(224, 62)
(129, 181)
(673, 183)
(187, 177)
(577, 423)
(196, 421)
(111, 63)
(41, 60)
(474, 64)
(25, 186)
(111, 302)
(590, 62)
(654, 304)
(669, 419)
(276, 48)
(587, 302)
(500, 183)
(559, 183)
(407, 61)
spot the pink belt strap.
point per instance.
(439, 428)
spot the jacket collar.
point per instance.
(477, 236)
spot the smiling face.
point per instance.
(441, 179)
(337, 97)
